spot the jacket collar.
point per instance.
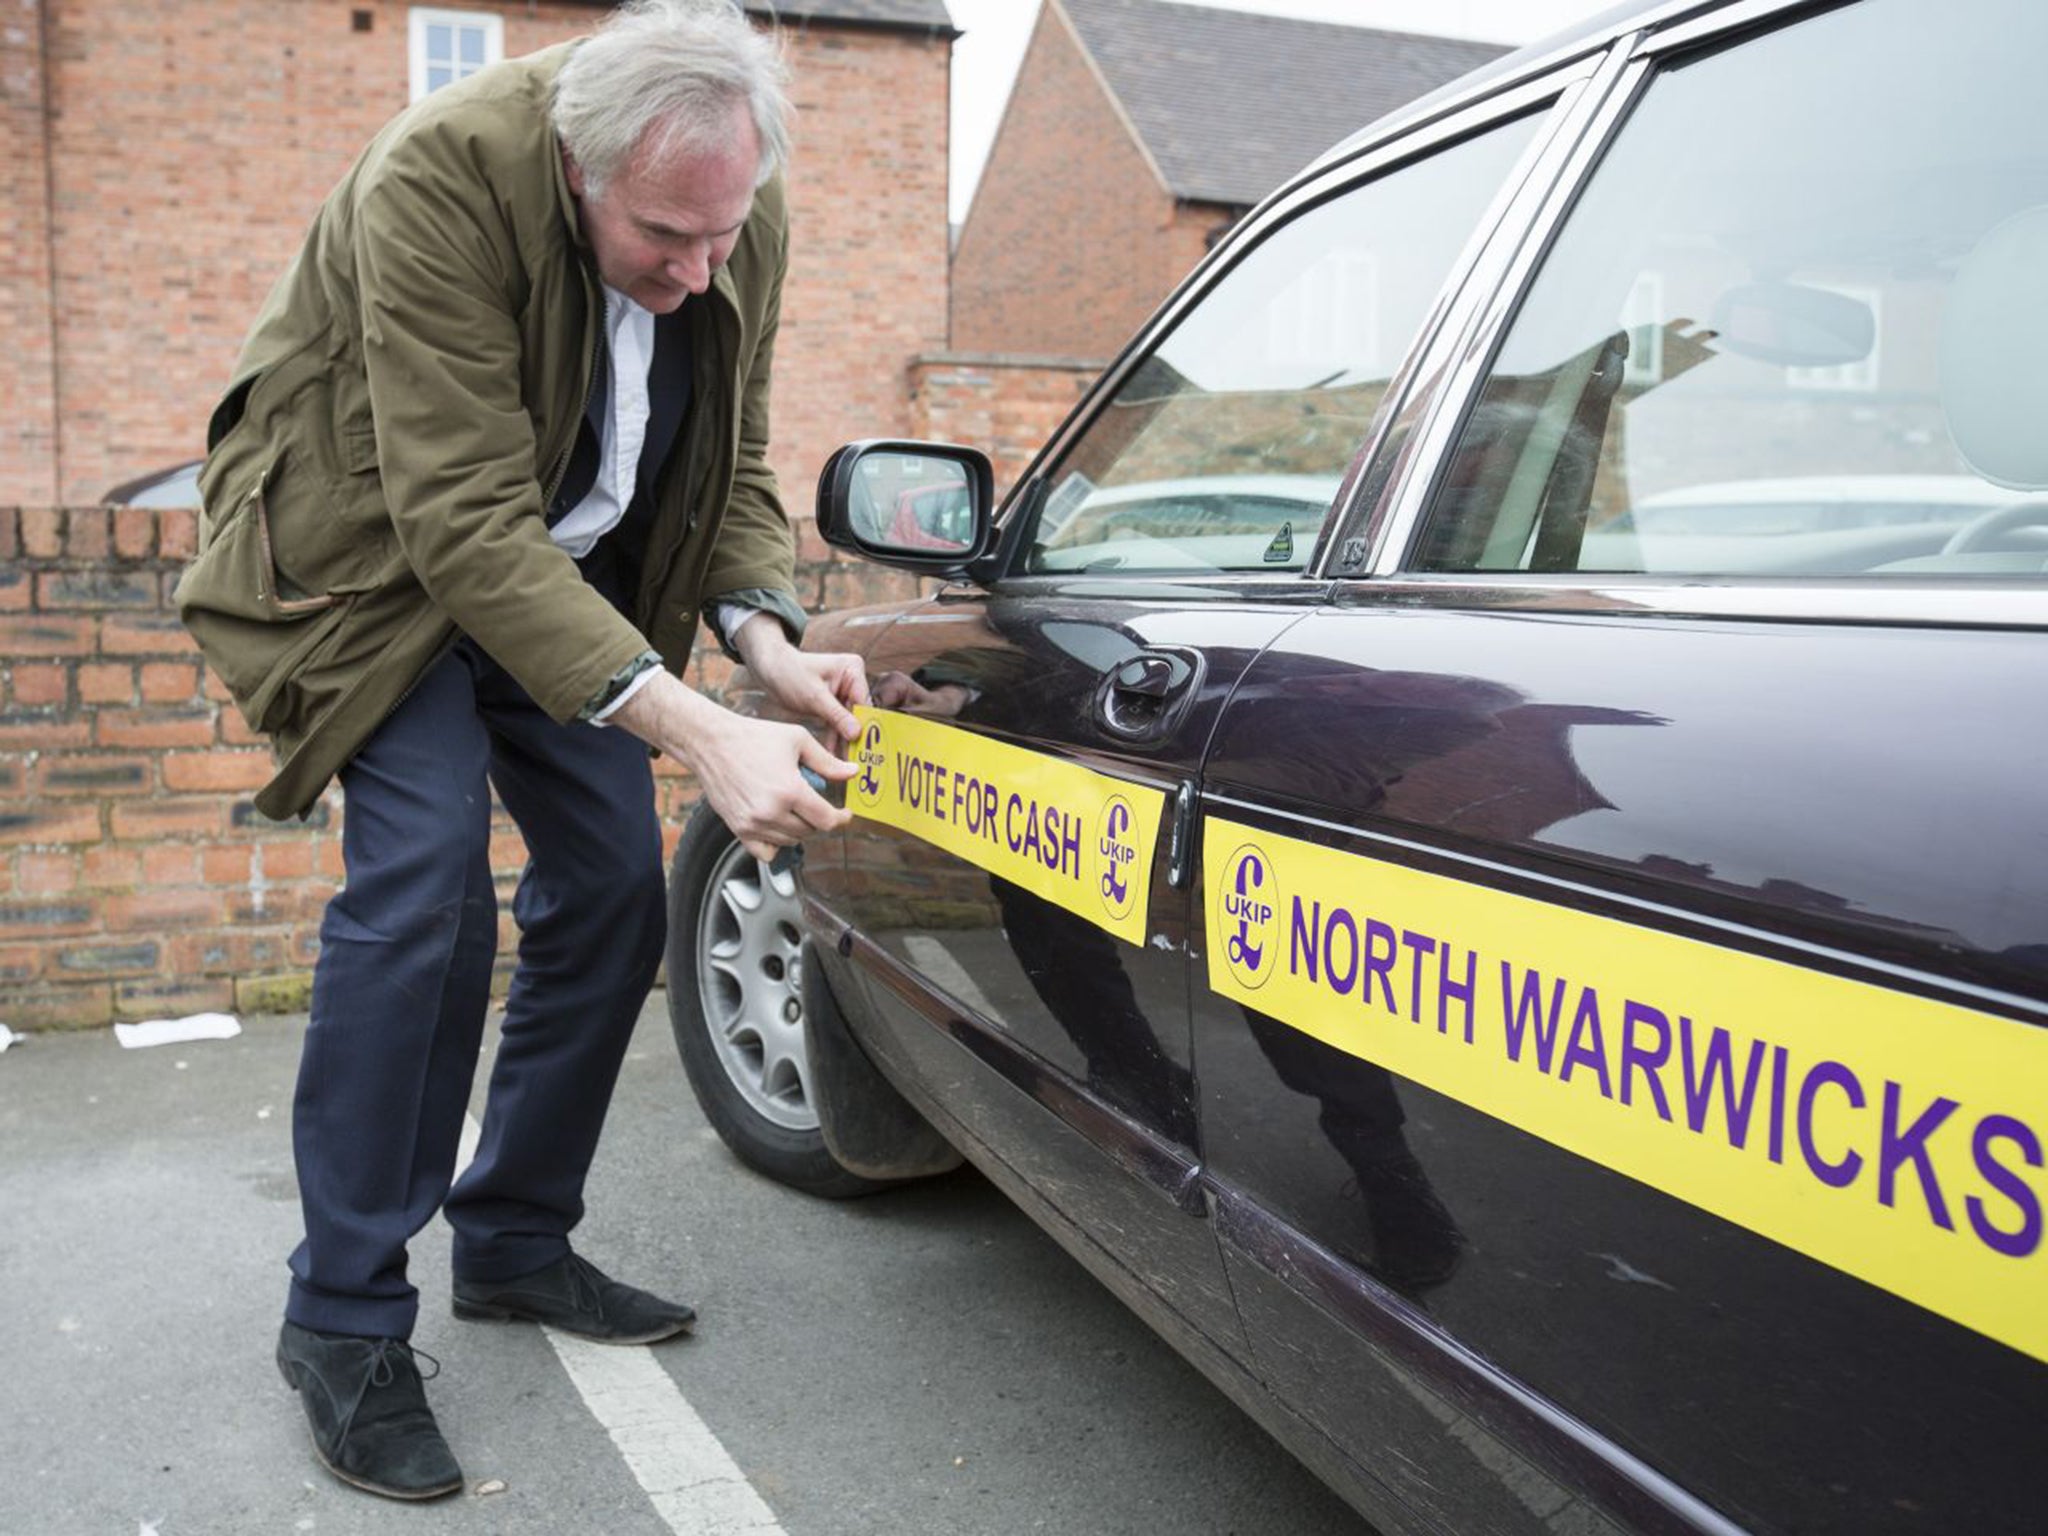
(547, 65)
(572, 216)
(723, 285)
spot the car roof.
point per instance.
(177, 486)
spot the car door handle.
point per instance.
(1150, 676)
(1140, 697)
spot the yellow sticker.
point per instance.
(1082, 840)
(1890, 1136)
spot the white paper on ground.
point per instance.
(196, 1026)
(7, 1037)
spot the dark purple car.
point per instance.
(1472, 837)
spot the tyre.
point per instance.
(736, 955)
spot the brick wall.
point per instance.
(137, 878)
(28, 404)
(867, 283)
(1005, 406)
(140, 879)
(1055, 263)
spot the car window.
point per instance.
(1782, 331)
(1224, 448)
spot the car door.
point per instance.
(1621, 991)
(1016, 880)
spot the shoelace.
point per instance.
(383, 1373)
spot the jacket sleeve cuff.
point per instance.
(729, 610)
(627, 681)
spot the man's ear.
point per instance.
(574, 172)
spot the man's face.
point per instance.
(660, 228)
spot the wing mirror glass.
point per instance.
(924, 506)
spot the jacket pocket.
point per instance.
(320, 518)
(358, 447)
(252, 627)
(235, 572)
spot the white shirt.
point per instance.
(629, 341)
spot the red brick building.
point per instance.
(160, 163)
(1138, 132)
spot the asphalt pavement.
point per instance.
(922, 1361)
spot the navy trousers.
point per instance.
(403, 982)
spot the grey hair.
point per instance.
(674, 69)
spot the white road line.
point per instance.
(465, 1149)
(693, 1483)
(696, 1487)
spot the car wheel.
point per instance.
(736, 955)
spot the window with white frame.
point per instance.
(446, 46)
(1642, 316)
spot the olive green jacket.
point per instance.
(406, 404)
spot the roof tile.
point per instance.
(1230, 104)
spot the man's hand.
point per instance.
(822, 686)
(746, 768)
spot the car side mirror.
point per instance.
(926, 507)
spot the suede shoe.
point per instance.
(574, 1295)
(368, 1413)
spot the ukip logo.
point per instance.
(1118, 848)
(1250, 905)
(870, 757)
